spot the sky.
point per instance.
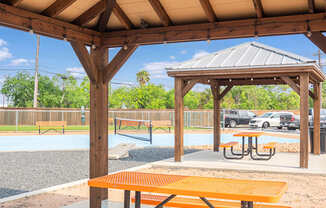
(18, 49)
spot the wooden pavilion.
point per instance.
(250, 63)
(103, 24)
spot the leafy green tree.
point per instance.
(143, 77)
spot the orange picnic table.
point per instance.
(246, 192)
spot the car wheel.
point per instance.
(265, 125)
(291, 128)
(279, 127)
(233, 124)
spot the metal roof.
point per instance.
(246, 55)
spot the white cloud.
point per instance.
(157, 69)
(4, 53)
(200, 54)
(3, 42)
(20, 62)
(183, 51)
(172, 57)
(77, 72)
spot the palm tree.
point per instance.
(143, 77)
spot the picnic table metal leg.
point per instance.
(247, 204)
(137, 199)
(206, 202)
(160, 205)
(127, 199)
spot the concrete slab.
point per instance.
(280, 163)
(120, 151)
(105, 204)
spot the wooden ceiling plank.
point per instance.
(268, 26)
(161, 13)
(85, 59)
(259, 8)
(311, 6)
(14, 2)
(90, 14)
(21, 19)
(207, 7)
(117, 62)
(123, 18)
(57, 7)
(318, 39)
(105, 16)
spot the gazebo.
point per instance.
(250, 63)
(103, 24)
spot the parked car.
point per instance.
(311, 116)
(291, 122)
(270, 119)
(232, 118)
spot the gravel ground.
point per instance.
(27, 171)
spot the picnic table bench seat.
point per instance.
(183, 202)
(229, 144)
(270, 145)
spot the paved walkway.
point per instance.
(281, 162)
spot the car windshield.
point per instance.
(265, 115)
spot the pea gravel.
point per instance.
(28, 171)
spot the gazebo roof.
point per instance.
(246, 55)
(246, 61)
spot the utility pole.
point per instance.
(319, 58)
(36, 71)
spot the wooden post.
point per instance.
(317, 103)
(304, 108)
(178, 129)
(215, 87)
(98, 162)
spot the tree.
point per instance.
(143, 77)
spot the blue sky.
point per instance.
(17, 52)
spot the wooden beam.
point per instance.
(317, 104)
(85, 59)
(304, 128)
(105, 16)
(90, 14)
(123, 18)
(179, 122)
(207, 7)
(225, 91)
(14, 2)
(215, 87)
(98, 155)
(188, 86)
(311, 6)
(259, 8)
(57, 7)
(318, 39)
(160, 11)
(292, 84)
(267, 26)
(117, 62)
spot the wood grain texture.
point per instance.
(105, 16)
(160, 11)
(207, 7)
(311, 6)
(225, 91)
(123, 18)
(189, 85)
(259, 8)
(90, 14)
(304, 128)
(14, 2)
(319, 40)
(179, 122)
(215, 87)
(57, 7)
(317, 105)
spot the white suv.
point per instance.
(270, 119)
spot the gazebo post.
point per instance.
(317, 103)
(215, 87)
(179, 122)
(304, 127)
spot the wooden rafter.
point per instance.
(123, 18)
(207, 7)
(319, 40)
(90, 14)
(225, 91)
(295, 24)
(105, 16)
(85, 59)
(14, 2)
(311, 6)
(188, 86)
(57, 7)
(117, 62)
(259, 8)
(160, 11)
(24, 20)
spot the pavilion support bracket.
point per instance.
(296, 87)
(188, 86)
(225, 91)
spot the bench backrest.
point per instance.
(163, 123)
(51, 123)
